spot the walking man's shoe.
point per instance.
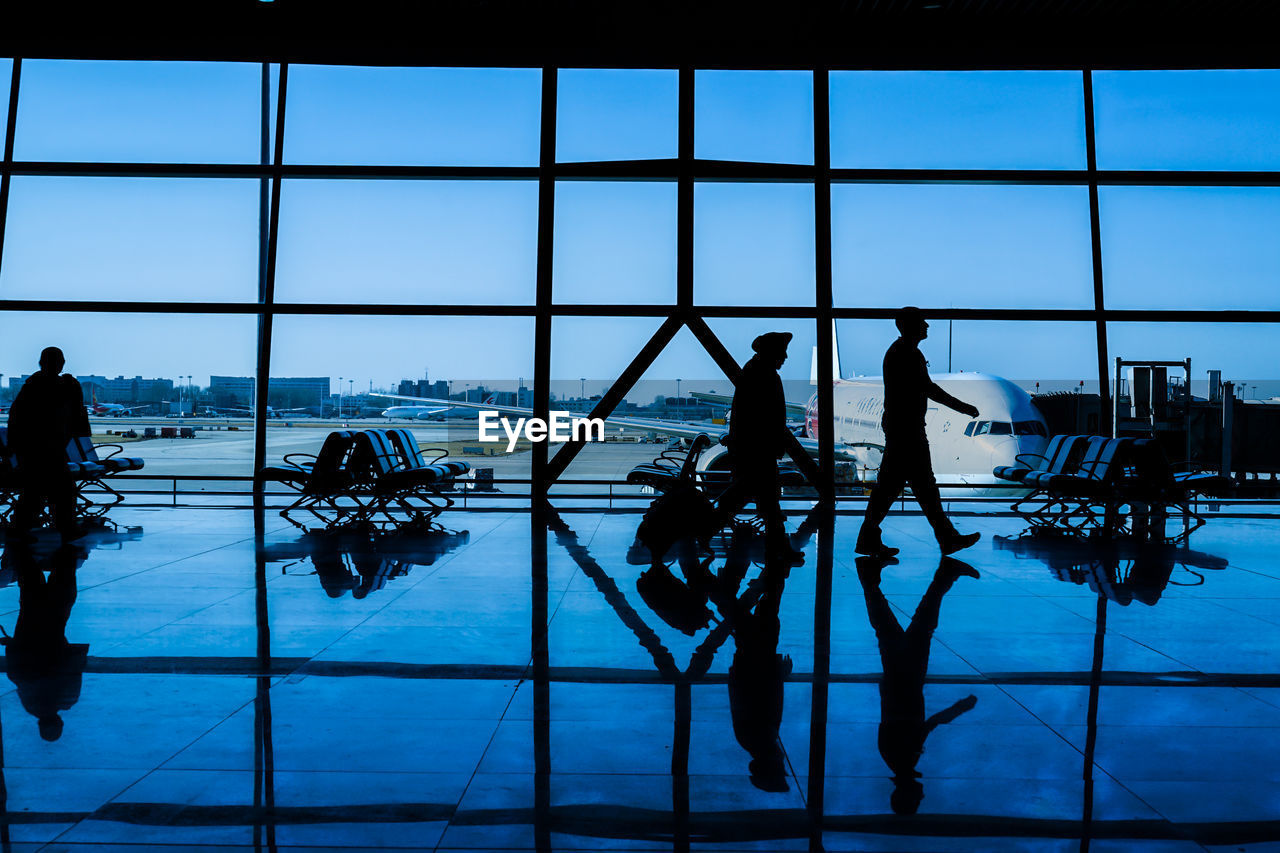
(958, 542)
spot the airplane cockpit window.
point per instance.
(968, 429)
(1001, 428)
(982, 428)
(1030, 428)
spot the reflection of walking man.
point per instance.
(756, 440)
(904, 656)
(47, 413)
(907, 390)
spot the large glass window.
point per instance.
(941, 245)
(957, 120)
(1187, 119)
(413, 116)
(613, 114)
(407, 241)
(1190, 247)
(615, 242)
(758, 116)
(113, 111)
(753, 244)
(152, 239)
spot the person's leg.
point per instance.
(925, 489)
(889, 483)
(62, 500)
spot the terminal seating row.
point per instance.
(1092, 485)
(376, 480)
(676, 465)
(90, 470)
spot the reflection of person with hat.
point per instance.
(756, 439)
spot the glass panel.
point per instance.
(615, 242)
(957, 119)
(753, 244)
(961, 245)
(127, 366)
(1190, 247)
(469, 359)
(1246, 353)
(408, 241)
(6, 77)
(588, 354)
(757, 116)
(163, 112)
(613, 114)
(131, 238)
(1037, 356)
(1187, 119)
(413, 116)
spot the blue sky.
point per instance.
(475, 241)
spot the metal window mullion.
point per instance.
(543, 292)
(6, 166)
(823, 298)
(684, 189)
(1095, 241)
(267, 284)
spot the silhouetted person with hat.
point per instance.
(46, 669)
(757, 438)
(47, 413)
(907, 392)
(904, 657)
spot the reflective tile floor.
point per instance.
(313, 693)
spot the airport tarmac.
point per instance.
(224, 447)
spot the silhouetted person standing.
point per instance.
(47, 413)
(907, 392)
(756, 440)
(904, 656)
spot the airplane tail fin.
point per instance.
(835, 358)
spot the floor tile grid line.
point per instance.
(510, 701)
(437, 567)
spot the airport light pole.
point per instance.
(678, 404)
(339, 396)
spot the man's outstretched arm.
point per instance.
(939, 396)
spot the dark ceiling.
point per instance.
(703, 33)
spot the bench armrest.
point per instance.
(119, 448)
(1040, 456)
(288, 459)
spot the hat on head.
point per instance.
(772, 342)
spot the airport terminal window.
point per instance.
(1246, 353)
(151, 366)
(971, 246)
(753, 244)
(6, 74)
(407, 241)
(151, 239)
(615, 242)
(1190, 247)
(412, 116)
(755, 116)
(113, 111)
(615, 114)
(1187, 119)
(957, 120)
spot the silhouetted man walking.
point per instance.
(47, 413)
(907, 391)
(757, 438)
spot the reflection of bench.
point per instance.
(376, 479)
(1092, 485)
(94, 495)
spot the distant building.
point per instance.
(239, 390)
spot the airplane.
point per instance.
(241, 411)
(424, 413)
(964, 450)
(113, 410)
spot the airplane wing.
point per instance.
(671, 428)
(794, 410)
